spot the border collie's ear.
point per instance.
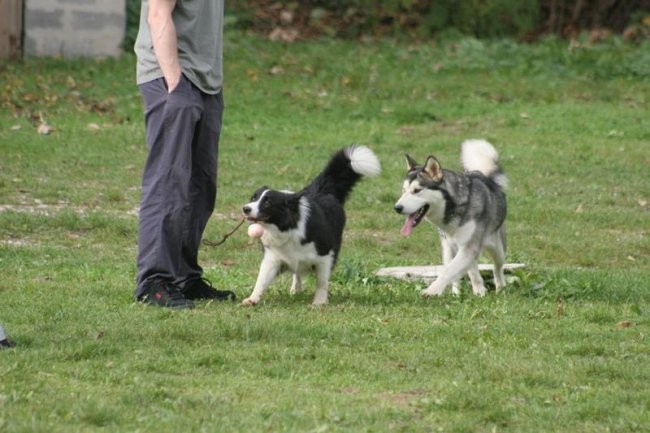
(433, 169)
(258, 192)
(293, 200)
(410, 163)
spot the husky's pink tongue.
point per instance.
(408, 225)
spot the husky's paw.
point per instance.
(319, 301)
(429, 293)
(480, 291)
(250, 302)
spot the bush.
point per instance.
(426, 18)
(479, 18)
(519, 19)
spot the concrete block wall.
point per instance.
(74, 28)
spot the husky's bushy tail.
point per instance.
(343, 171)
(479, 155)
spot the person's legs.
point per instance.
(166, 204)
(178, 193)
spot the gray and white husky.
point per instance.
(468, 208)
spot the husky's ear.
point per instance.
(433, 169)
(410, 163)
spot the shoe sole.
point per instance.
(146, 301)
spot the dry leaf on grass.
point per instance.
(44, 129)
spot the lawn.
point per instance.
(564, 348)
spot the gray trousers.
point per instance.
(179, 183)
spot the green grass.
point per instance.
(571, 125)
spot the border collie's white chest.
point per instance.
(287, 247)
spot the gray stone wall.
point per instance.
(74, 28)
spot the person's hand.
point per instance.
(172, 82)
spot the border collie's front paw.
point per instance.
(250, 302)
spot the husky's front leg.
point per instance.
(448, 253)
(269, 268)
(478, 287)
(452, 272)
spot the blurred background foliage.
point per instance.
(524, 20)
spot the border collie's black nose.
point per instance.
(247, 210)
(398, 208)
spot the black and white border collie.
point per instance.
(303, 230)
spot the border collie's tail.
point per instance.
(343, 171)
(479, 155)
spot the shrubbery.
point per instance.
(519, 19)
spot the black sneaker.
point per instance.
(202, 289)
(164, 294)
